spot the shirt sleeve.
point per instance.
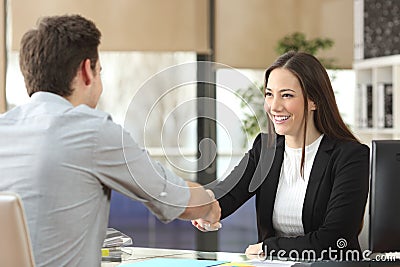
(123, 166)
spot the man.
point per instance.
(63, 157)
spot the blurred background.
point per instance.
(141, 39)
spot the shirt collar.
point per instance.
(49, 97)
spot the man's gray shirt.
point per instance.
(63, 161)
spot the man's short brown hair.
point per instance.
(50, 55)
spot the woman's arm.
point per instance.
(233, 191)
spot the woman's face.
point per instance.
(284, 103)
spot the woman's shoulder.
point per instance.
(267, 140)
(346, 146)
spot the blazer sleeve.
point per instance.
(348, 169)
(233, 191)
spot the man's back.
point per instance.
(46, 150)
(63, 160)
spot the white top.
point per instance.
(63, 161)
(288, 207)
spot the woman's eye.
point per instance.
(287, 95)
(268, 94)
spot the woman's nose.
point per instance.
(273, 104)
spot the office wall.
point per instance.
(247, 31)
(126, 25)
(2, 58)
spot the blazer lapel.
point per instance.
(320, 162)
(265, 198)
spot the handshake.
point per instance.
(211, 221)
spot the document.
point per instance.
(166, 262)
(170, 262)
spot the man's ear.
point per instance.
(87, 72)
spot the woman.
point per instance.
(314, 195)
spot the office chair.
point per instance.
(15, 244)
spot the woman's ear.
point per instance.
(312, 105)
(87, 72)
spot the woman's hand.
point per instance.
(255, 249)
(206, 226)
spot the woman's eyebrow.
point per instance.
(281, 90)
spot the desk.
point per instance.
(140, 254)
(136, 254)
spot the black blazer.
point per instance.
(335, 198)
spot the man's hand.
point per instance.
(210, 222)
(214, 215)
(202, 204)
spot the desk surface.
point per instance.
(137, 254)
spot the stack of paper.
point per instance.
(112, 245)
(115, 238)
